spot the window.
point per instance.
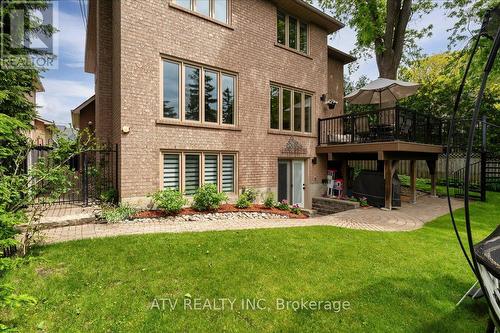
(281, 26)
(216, 9)
(307, 113)
(211, 168)
(287, 110)
(291, 32)
(192, 171)
(228, 173)
(197, 93)
(192, 93)
(275, 107)
(211, 97)
(171, 171)
(303, 37)
(217, 168)
(171, 83)
(297, 111)
(294, 111)
(228, 99)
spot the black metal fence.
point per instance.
(92, 177)
(390, 124)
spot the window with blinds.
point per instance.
(227, 173)
(171, 171)
(211, 171)
(192, 171)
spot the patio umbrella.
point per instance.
(382, 90)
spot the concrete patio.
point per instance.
(409, 217)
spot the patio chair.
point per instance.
(362, 128)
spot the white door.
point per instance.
(298, 182)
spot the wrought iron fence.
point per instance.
(92, 177)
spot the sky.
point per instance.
(68, 86)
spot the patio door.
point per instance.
(291, 181)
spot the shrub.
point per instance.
(208, 198)
(170, 200)
(250, 193)
(115, 214)
(295, 209)
(283, 205)
(109, 196)
(269, 201)
(243, 201)
(363, 202)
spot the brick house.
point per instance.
(214, 91)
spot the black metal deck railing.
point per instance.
(389, 124)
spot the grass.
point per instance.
(424, 185)
(394, 282)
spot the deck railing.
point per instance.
(389, 124)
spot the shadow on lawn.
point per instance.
(423, 307)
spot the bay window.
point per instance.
(290, 109)
(195, 93)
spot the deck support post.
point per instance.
(413, 181)
(344, 170)
(432, 171)
(389, 170)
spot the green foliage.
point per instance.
(109, 196)
(295, 209)
(283, 205)
(208, 198)
(269, 201)
(115, 214)
(440, 77)
(170, 200)
(243, 201)
(250, 193)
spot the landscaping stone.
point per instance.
(209, 217)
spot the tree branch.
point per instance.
(399, 33)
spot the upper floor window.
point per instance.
(292, 32)
(216, 9)
(290, 109)
(197, 93)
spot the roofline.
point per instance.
(45, 121)
(84, 104)
(327, 22)
(340, 55)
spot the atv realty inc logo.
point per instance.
(24, 43)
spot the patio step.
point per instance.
(328, 206)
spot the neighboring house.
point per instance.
(42, 133)
(83, 116)
(226, 92)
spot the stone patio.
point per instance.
(409, 217)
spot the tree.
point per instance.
(383, 30)
(349, 87)
(440, 75)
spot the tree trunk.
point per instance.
(389, 46)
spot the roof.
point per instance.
(84, 104)
(345, 58)
(306, 11)
(46, 122)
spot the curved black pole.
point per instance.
(475, 114)
(450, 138)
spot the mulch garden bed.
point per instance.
(225, 208)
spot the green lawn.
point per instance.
(394, 282)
